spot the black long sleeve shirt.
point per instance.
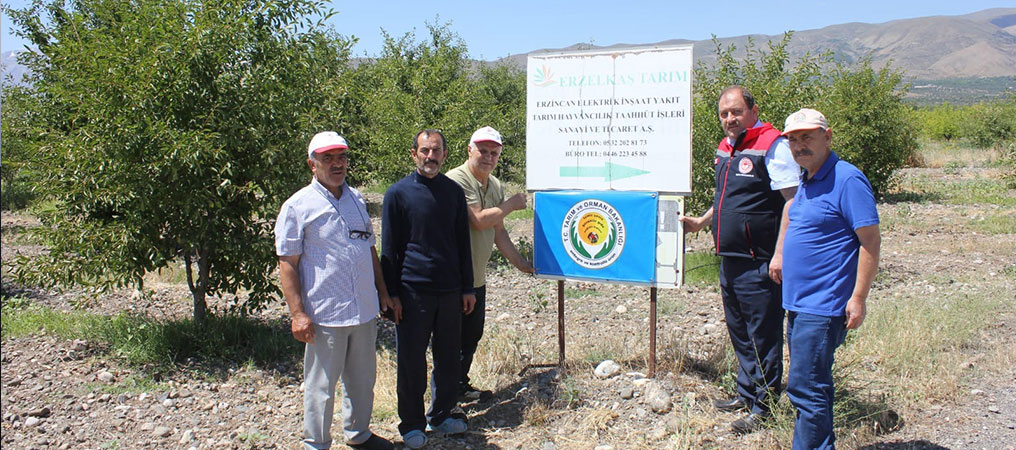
(425, 236)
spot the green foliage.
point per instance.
(21, 135)
(175, 128)
(870, 123)
(943, 122)
(701, 268)
(413, 85)
(993, 124)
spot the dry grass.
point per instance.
(937, 155)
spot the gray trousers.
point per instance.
(346, 353)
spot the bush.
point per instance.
(992, 124)
(871, 125)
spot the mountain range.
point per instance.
(947, 58)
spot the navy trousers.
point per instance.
(812, 340)
(434, 320)
(472, 331)
(753, 306)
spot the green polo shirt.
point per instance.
(481, 242)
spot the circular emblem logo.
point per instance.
(745, 165)
(593, 234)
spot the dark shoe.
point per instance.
(734, 404)
(374, 442)
(458, 413)
(468, 393)
(747, 424)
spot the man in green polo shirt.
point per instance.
(487, 210)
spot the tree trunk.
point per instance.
(199, 288)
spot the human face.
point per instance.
(810, 148)
(735, 115)
(483, 156)
(429, 154)
(330, 167)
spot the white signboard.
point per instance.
(616, 119)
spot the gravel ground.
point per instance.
(60, 393)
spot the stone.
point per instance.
(188, 435)
(44, 411)
(604, 447)
(144, 396)
(79, 345)
(657, 434)
(147, 426)
(621, 309)
(105, 377)
(672, 424)
(607, 369)
(32, 421)
(167, 403)
(658, 398)
(162, 431)
(627, 392)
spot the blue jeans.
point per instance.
(812, 340)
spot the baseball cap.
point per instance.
(324, 141)
(486, 134)
(805, 119)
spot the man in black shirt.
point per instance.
(425, 258)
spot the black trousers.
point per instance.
(435, 320)
(753, 306)
(472, 331)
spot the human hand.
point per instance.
(776, 268)
(395, 307)
(515, 202)
(303, 328)
(856, 311)
(468, 302)
(693, 224)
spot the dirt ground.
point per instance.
(59, 393)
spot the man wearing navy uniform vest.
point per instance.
(756, 178)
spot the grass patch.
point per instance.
(157, 344)
(938, 154)
(521, 214)
(930, 334)
(701, 268)
(576, 293)
(970, 191)
(995, 224)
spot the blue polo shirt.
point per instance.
(820, 249)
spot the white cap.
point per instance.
(805, 119)
(324, 141)
(486, 134)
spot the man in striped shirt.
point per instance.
(331, 279)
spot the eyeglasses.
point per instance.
(357, 234)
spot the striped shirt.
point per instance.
(336, 270)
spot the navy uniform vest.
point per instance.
(746, 211)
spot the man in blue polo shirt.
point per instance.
(829, 258)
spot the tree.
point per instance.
(870, 122)
(177, 129)
(431, 83)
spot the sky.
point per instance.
(494, 29)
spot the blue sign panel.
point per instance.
(595, 235)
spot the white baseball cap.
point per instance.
(805, 119)
(486, 134)
(324, 141)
